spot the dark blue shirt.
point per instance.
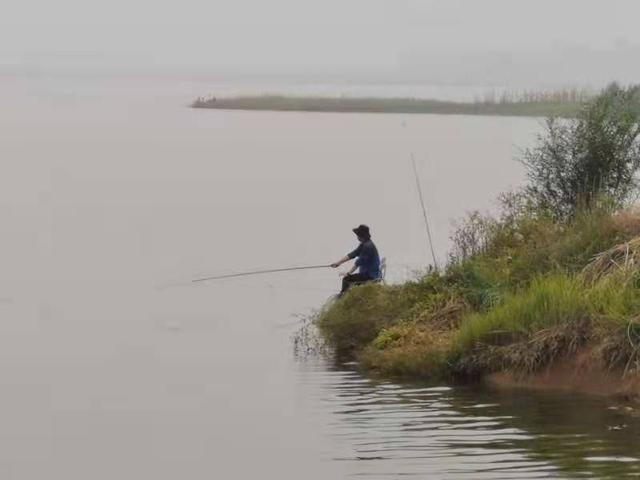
(367, 259)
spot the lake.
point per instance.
(114, 195)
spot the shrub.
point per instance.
(577, 162)
(472, 236)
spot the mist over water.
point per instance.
(110, 188)
(459, 42)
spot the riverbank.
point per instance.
(542, 106)
(541, 305)
(550, 284)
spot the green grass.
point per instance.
(546, 302)
(354, 321)
(553, 317)
(520, 291)
(540, 107)
(520, 303)
(408, 350)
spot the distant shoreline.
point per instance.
(539, 107)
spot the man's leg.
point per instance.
(349, 280)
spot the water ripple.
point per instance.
(386, 430)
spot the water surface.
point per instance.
(110, 188)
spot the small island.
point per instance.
(561, 103)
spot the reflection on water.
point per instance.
(384, 430)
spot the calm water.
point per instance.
(111, 188)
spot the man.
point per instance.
(367, 261)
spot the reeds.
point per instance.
(622, 258)
(529, 104)
(563, 96)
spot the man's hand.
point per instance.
(340, 262)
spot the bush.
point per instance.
(577, 162)
(472, 236)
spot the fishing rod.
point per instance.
(424, 211)
(259, 272)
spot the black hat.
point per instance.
(362, 231)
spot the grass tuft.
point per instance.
(547, 302)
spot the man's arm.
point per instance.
(350, 256)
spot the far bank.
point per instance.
(543, 105)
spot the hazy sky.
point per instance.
(291, 35)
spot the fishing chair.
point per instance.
(380, 279)
(383, 271)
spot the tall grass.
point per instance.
(522, 247)
(548, 301)
(553, 317)
(568, 95)
(526, 106)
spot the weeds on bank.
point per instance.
(356, 319)
(418, 346)
(526, 299)
(552, 318)
(545, 303)
(557, 269)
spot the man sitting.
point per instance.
(367, 261)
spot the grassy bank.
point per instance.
(560, 105)
(555, 276)
(533, 296)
